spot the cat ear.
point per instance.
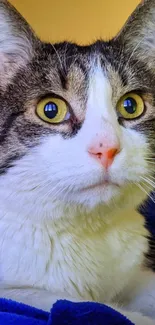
(17, 40)
(138, 34)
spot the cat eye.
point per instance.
(130, 106)
(53, 110)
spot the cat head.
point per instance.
(77, 123)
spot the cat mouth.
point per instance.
(101, 185)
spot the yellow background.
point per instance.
(77, 20)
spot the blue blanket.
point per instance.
(63, 313)
(68, 313)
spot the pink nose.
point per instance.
(103, 153)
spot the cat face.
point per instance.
(77, 123)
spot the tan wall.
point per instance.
(77, 20)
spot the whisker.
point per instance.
(144, 191)
(148, 186)
(121, 53)
(59, 59)
(64, 55)
(134, 50)
(151, 176)
(149, 181)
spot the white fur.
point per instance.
(55, 235)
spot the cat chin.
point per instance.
(106, 201)
(92, 196)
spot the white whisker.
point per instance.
(151, 176)
(148, 186)
(59, 59)
(149, 181)
(147, 193)
(121, 53)
(133, 52)
(64, 55)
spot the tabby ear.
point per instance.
(17, 40)
(138, 34)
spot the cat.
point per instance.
(77, 157)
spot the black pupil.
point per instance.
(130, 105)
(51, 110)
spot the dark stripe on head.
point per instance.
(10, 162)
(7, 126)
(63, 79)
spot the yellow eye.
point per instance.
(52, 110)
(130, 106)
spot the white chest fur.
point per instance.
(80, 261)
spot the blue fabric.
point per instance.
(68, 313)
(63, 313)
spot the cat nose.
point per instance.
(104, 153)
